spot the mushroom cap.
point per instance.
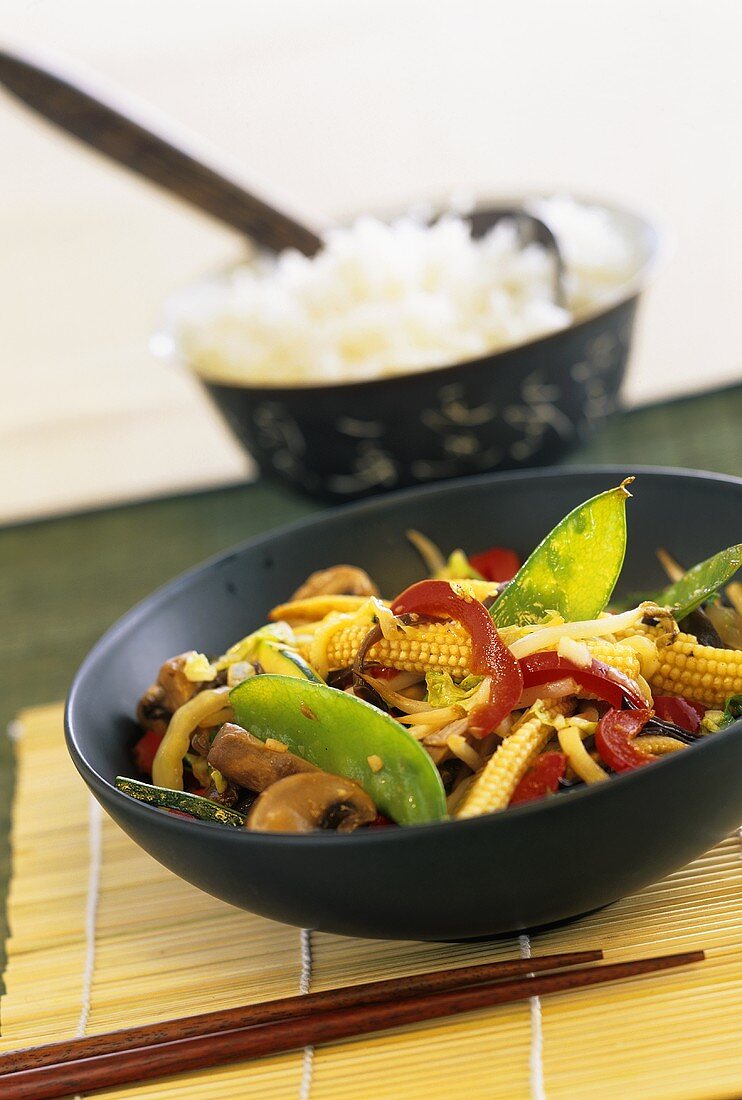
(348, 579)
(309, 801)
(248, 761)
(173, 680)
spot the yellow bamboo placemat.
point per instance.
(103, 937)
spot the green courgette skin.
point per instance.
(192, 804)
(281, 661)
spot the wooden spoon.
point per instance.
(110, 130)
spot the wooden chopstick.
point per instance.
(110, 128)
(413, 985)
(222, 1048)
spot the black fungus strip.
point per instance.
(669, 729)
(700, 626)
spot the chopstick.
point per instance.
(206, 1023)
(241, 1044)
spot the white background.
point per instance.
(343, 105)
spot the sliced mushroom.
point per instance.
(174, 682)
(152, 712)
(699, 624)
(201, 742)
(227, 797)
(172, 689)
(248, 761)
(315, 800)
(346, 580)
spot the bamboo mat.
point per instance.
(103, 937)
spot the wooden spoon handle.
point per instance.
(110, 131)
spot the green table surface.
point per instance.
(64, 581)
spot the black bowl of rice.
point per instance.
(408, 351)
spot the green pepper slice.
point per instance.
(339, 733)
(574, 570)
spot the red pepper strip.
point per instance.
(191, 784)
(380, 822)
(496, 564)
(699, 708)
(670, 708)
(145, 750)
(599, 679)
(489, 655)
(542, 779)
(616, 730)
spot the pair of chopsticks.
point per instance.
(240, 1034)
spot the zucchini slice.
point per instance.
(280, 661)
(192, 804)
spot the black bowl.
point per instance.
(519, 407)
(525, 867)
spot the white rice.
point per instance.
(385, 299)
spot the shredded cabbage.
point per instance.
(541, 710)
(391, 627)
(443, 692)
(458, 568)
(199, 669)
(246, 648)
(713, 721)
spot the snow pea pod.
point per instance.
(700, 582)
(574, 569)
(339, 733)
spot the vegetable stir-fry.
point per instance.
(490, 684)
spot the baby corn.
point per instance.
(682, 667)
(493, 787)
(704, 673)
(700, 672)
(446, 646)
(656, 744)
(312, 608)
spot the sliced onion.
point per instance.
(555, 689)
(427, 550)
(452, 729)
(391, 627)
(167, 766)
(395, 699)
(404, 680)
(591, 628)
(727, 622)
(436, 716)
(459, 792)
(461, 748)
(674, 571)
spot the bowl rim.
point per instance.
(164, 344)
(401, 834)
